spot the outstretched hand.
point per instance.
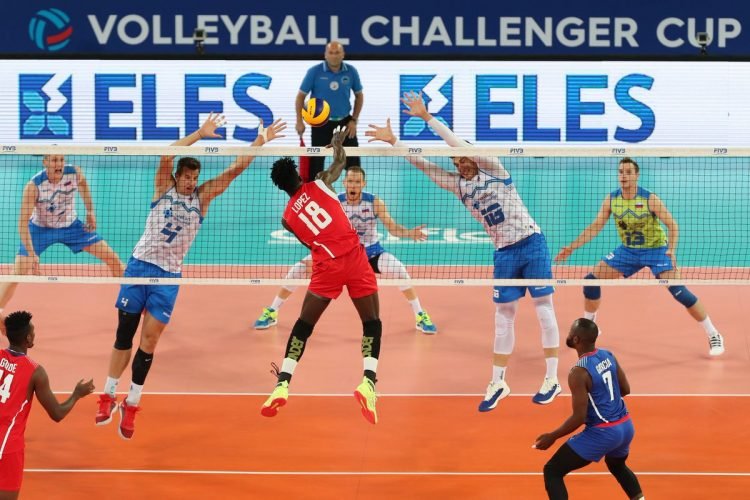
(214, 121)
(272, 132)
(415, 105)
(418, 233)
(339, 136)
(384, 134)
(564, 253)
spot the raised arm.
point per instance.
(56, 410)
(415, 106)
(397, 230)
(216, 186)
(333, 172)
(439, 176)
(27, 209)
(673, 230)
(164, 179)
(589, 233)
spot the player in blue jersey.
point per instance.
(486, 189)
(597, 384)
(178, 208)
(637, 214)
(48, 216)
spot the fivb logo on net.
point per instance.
(437, 92)
(45, 106)
(50, 29)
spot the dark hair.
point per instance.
(586, 330)
(628, 159)
(284, 174)
(358, 169)
(17, 325)
(187, 162)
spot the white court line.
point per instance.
(360, 473)
(400, 395)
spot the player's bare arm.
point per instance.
(164, 179)
(216, 186)
(657, 206)
(332, 174)
(397, 230)
(56, 410)
(28, 201)
(589, 233)
(579, 382)
(83, 188)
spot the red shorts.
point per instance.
(351, 269)
(11, 471)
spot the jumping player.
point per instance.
(486, 189)
(637, 213)
(20, 379)
(363, 209)
(178, 208)
(597, 383)
(315, 216)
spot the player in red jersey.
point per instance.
(20, 379)
(315, 216)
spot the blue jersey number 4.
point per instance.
(170, 233)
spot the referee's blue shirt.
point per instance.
(333, 87)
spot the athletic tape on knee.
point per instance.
(297, 272)
(592, 292)
(372, 330)
(392, 268)
(127, 326)
(505, 318)
(682, 295)
(545, 312)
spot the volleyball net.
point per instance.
(241, 240)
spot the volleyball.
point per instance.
(316, 112)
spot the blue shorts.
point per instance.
(596, 442)
(631, 260)
(74, 237)
(158, 300)
(528, 258)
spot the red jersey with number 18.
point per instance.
(15, 376)
(316, 217)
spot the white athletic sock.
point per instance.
(498, 373)
(591, 316)
(551, 367)
(288, 366)
(110, 386)
(371, 364)
(277, 303)
(706, 324)
(416, 306)
(134, 395)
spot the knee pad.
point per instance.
(505, 317)
(592, 292)
(126, 327)
(682, 295)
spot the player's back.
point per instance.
(316, 217)
(605, 400)
(16, 371)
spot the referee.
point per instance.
(333, 81)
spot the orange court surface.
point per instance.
(200, 433)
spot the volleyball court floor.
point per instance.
(200, 432)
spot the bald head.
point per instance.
(583, 333)
(334, 54)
